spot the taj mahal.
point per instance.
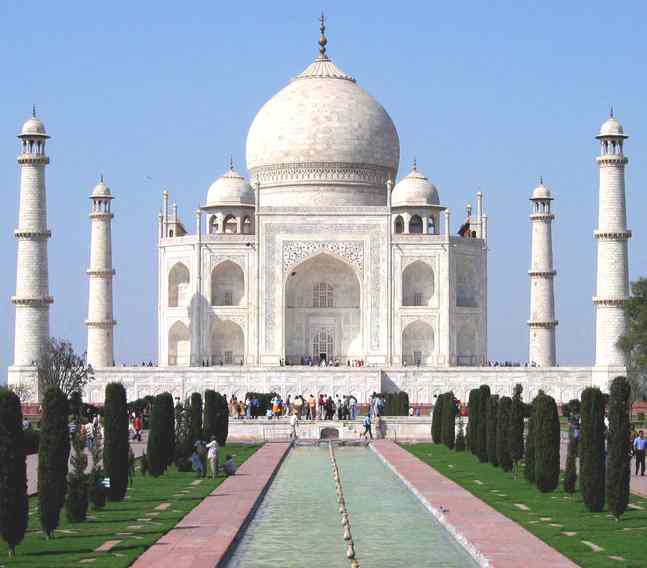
(323, 271)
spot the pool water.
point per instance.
(298, 523)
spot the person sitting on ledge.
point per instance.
(229, 466)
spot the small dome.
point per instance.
(230, 189)
(414, 190)
(101, 190)
(541, 192)
(33, 127)
(611, 127)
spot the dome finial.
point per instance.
(231, 163)
(323, 41)
(541, 180)
(33, 111)
(415, 165)
(611, 112)
(101, 178)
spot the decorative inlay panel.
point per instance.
(324, 173)
(295, 252)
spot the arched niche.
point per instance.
(230, 224)
(227, 343)
(418, 343)
(415, 225)
(179, 345)
(179, 282)
(227, 284)
(398, 226)
(466, 346)
(417, 284)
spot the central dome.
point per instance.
(322, 140)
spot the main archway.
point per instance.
(323, 316)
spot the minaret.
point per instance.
(32, 297)
(612, 236)
(541, 344)
(100, 320)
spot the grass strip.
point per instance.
(137, 518)
(557, 518)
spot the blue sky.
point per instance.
(486, 95)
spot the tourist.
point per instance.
(352, 402)
(131, 466)
(411, 411)
(293, 425)
(312, 407)
(200, 450)
(367, 427)
(320, 407)
(229, 466)
(298, 405)
(640, 444)
(339, 406)
(212, 456)
(138, 428)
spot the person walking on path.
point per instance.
(138, 428)
(293, 425)
(367, 427)
(212, 456)
(640, 444)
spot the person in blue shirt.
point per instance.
(640, 444)
(367, 427)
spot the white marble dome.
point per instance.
(322, 129)
(541, 192)
(101, 190)
(230, 189)
(612, 127)
(414, 190)
(33, 126)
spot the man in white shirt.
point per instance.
(293, 425)
(212, 456)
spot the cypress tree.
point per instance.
(168, 428)
(473, 420)
(97, 490)
(209, 424)
(503, 456)
(76, 502)
(449, 411)
(592, 458)
(53, 453)
(460, 438)
(116, 443)
(619, 444)
(529, 458)
(492, 430)
(547, 443)
(437, 420)
(515, 435)
(484, 396)
(570, 473)
(157, 446)
(222, 419)
(196, 417)
(14, 509)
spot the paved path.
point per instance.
(32, 465)
(491, 536)
(204, 536)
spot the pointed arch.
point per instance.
(179, 282)
(398, 226)
(230, 225)
(179, 345)
(227, 343)
(415, 225)
(418, 284)
(418, 343)
(227, 284)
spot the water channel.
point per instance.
(298, 523)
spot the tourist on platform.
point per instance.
(339, 407)
(367, 427)
(276, 408)
(298, 406)
(288, 406)
(639, 446)
(320, 406)
(312, 408)
(212, 456)
(269, 413)
(248, 407)
(229, 466)
(293, 425)
(352, 402)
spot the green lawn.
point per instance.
(135, 516)
(626, 539)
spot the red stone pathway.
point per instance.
(204, 536)
(495, 538)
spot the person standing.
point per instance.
(312, 407)
(138, 428)
(353, 407)
(293, 426)
(212, 456)
(367, 427)
(640, 444)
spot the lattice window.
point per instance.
(229, 298)
(417, 299)
(417, 357)
(322, 295)
(229, 357)
(323, 342)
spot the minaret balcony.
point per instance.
(33, 160)
(612, 235)
(542, 273)
(543, 324)
(35, 302)
(619, 301)
(34, 235)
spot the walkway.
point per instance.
(205, 535)
(491, 536)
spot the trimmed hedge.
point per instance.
(503, 457)
(570, 473)
(484, 396)
(592, 460)
(492, 429)
(449, 412)
(210, 425)
(529, 458)
(116, 442)
(515, 436)
(547, 443)
(437, 420)
(222, 419)
(619, 444)
(196, 417)
(158, 446)
(473, 423)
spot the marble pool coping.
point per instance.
(206, 535)
(492, 539)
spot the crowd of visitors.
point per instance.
(323, 407)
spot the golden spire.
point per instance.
(323, 41)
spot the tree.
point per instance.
(492, 430)
(503, 456)
(449, 411)
(116, 443)
(484, 396)
(592, 458)
(196, 417)
(222, 419)
(14, 508)
(158, 446)
(76, 404)
(169, 425)
(183, 441)
(209, 424)
(473, 420)
(570, 473)
(634, 342)
(619, 445)
(97, 492)
(403, 399)
(76, 502)
(460, 437)
(515, 435)
(547, 443)
(63, 368)
(53, 453)
(529, 458)
(437, 420)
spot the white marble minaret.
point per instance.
(612, 236)
(542, 321)
(32, 297)
(100, 320)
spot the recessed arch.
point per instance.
(214, 226)
(179, 282)
(398, 226)
(415, 225)
(179, 345)
(230, 224)
(466, 345)
(227, 343)
(247, 225)
(227, 284)
(418, 343)
(417, 284)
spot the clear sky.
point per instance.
(486, 95)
